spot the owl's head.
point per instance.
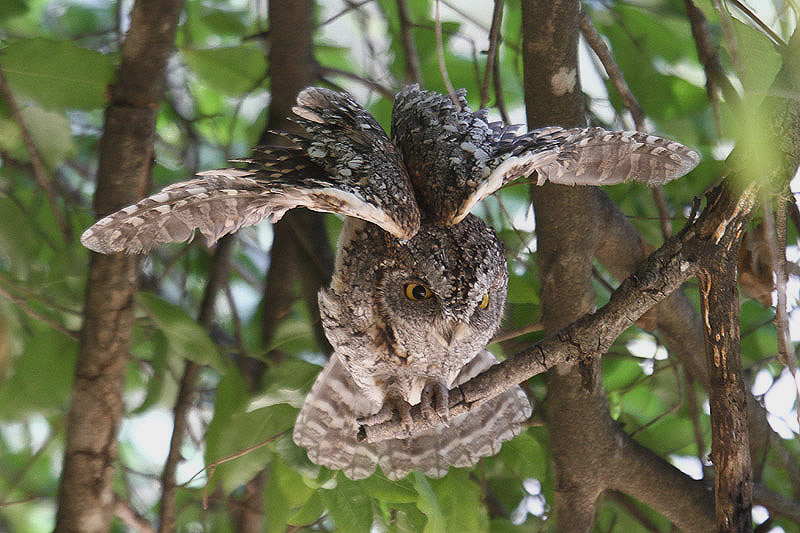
(439, 296)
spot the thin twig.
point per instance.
(694, 415)
(33, 313)
(730, 36)
(131, 517)
(211, 467)
(39, 171)
(598, 46)
(774, 37)
(344, 11)
(386, 92)
(503, 336)
(191, 372)
(716, 79)
(499, 99)
(413, 72)
(451, 92)
(491, 53)
(776, 232)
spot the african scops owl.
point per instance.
(419, 284)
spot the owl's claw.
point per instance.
(394, 404)
(435, 403)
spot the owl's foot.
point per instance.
(393, 405)
(435, 403)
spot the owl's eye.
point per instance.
(484, 301)
(415, 291)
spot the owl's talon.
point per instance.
(393, 405)
(435, 403)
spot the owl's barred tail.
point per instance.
(327, 427)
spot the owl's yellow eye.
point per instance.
(484, 301)
(415, 291)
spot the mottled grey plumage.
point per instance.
(417, 295)
(387, 344)
(456, 158)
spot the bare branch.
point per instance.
(386, 92)
(599, 47)
(765, 29)
(85, 499)
(591, 335)
(730, 441)
(131, 517)
(491, 54)
(451, 92)
(413, 73)
(216, 280)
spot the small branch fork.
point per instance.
(665, 270)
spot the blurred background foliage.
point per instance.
(59, 57)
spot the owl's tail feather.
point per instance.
(327, 428)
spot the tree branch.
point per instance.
(217, 278)
(592, 334)
(85, 500)
(730, 444)
(413, 72)
(491, 54)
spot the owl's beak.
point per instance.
(451, 331)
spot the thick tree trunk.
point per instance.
(86, 500)
(590, 452)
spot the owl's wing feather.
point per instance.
(344, 163)
(327, 427)
(576, 156)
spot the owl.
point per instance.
(419, 283)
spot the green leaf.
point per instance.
(349, 506)
(233, 69)
(42, 375)
(50, 133)
(184, 335)
(525, 456)
(286, 495)
(760, 61)
(288, 383)
(58, 74)
(12, 8)
(386, 490)
(460, 501)
(619, 373)
(243, 431)
(428, 503)
(18, 240)
(310, 512)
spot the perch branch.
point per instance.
(656, 278)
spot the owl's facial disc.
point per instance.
(443, 291)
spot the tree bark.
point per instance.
(86, 501)
(730, 448)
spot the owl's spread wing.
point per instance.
(576, 156)
(343, 164)
(327, 428)
(441, 142)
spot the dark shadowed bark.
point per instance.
(300, 247)
(86, 501)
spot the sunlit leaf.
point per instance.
(57, 74)
(184, 335)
